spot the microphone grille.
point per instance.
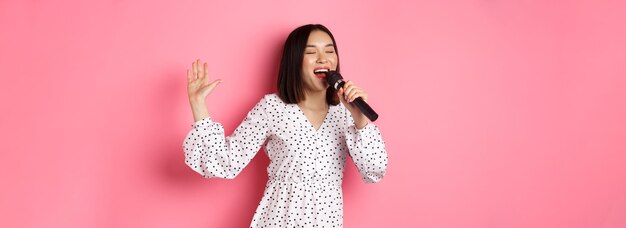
(332, 77)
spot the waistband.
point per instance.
(306, 180)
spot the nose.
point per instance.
(322, 59)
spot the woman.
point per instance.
(307, 133)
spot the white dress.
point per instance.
(306, 165)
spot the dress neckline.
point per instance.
(311, 123)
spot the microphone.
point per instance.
(335, 80)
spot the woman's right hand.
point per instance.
(198, 86)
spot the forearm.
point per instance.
(360, 120)
(199, 109)
(367, 149)
(207, 152)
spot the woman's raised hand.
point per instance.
(198, 86)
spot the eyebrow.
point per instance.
(327, 45)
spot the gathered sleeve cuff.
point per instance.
(367, 149)
(210, 153)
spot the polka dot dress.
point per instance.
(306, 164)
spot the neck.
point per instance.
(314, 100)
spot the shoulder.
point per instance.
(273, 99)
(341, 109)
(342, 112)
(273, 107)
(271, 102)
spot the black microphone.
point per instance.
(335, 80)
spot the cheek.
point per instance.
(333, 60)
(308, 60)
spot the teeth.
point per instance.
(321, 71)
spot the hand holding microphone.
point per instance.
(335, 80)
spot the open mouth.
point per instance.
(320, 73)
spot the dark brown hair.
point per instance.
(290, 83)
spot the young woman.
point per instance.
(307, 129)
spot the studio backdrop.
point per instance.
(494, 113)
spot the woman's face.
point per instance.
(318, 54)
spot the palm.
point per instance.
(198, 86)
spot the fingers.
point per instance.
(348, 87)
(351, 92)
(340, 94)
(214, 84)
(200, 69)
(194, 66)
(198, 85)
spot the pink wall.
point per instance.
(495, 113)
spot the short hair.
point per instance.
(290, 83)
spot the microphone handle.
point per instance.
(365, 109)
(358, 102)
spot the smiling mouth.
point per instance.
(320, 73)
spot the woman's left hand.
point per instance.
(347, 94)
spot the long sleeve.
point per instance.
(211, 154)
(367, 149)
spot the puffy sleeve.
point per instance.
(211, 154)
(367, 149)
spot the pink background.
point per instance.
(495, 113)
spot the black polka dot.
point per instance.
(306, 164)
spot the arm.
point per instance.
(363, 139)
(207, 150)
(367, 149)
(211, 154)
